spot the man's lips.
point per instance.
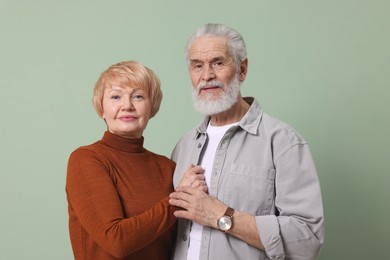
(207, 88)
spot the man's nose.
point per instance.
(208, 73)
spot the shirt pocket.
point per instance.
(250, 188)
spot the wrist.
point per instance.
(226, 222)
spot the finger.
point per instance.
(182, 214)
(180, 191)
(179, 203)
(199, 176)
(198, 183)
(195, 169)
(181, 195)
(192, 168)
(175, 195)
(174, 202)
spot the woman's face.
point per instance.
(126, 111)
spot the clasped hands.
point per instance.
(194, 202)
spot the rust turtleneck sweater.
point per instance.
(117, 195)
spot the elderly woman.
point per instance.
(117, 190)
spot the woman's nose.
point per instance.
(128, 104)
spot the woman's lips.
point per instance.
(127, 118)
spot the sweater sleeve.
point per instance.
(93, 198)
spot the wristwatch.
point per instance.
(226, 222)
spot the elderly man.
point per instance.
(264, 198)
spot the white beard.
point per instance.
(207, 105)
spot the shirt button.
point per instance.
(199, 145)
(184, 238)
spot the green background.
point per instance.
(321, 66)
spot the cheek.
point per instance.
(194, 79)
(145, 110)
(227, 76)
(108, 112)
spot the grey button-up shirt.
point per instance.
(263, 167)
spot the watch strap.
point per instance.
(229, 212)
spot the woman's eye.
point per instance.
(138, 97)
(115, 97)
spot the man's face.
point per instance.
(213, 74)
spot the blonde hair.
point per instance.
(128, 74)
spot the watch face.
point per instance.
(225, 223)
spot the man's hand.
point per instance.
(197, 206)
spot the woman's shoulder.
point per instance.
(160, 157)
(87, 150)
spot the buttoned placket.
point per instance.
(200, 140)
(218, 164)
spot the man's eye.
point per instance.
(218, 64)
(197, 66)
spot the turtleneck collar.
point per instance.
(123, 144)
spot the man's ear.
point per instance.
(243, 69)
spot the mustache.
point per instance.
(213, 83)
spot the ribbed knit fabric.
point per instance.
(117, 195)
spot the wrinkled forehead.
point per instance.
(206, 48)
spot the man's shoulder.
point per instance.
(273, 122)
(189, 135)
(275, 127)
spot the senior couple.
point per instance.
(240, 185)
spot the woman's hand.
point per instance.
(194, 178)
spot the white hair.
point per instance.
(208, 105)
(237, 47)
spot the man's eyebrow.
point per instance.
(218, 58)
(195, 61)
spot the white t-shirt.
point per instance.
(215, 134)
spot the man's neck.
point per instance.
(234, 114)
